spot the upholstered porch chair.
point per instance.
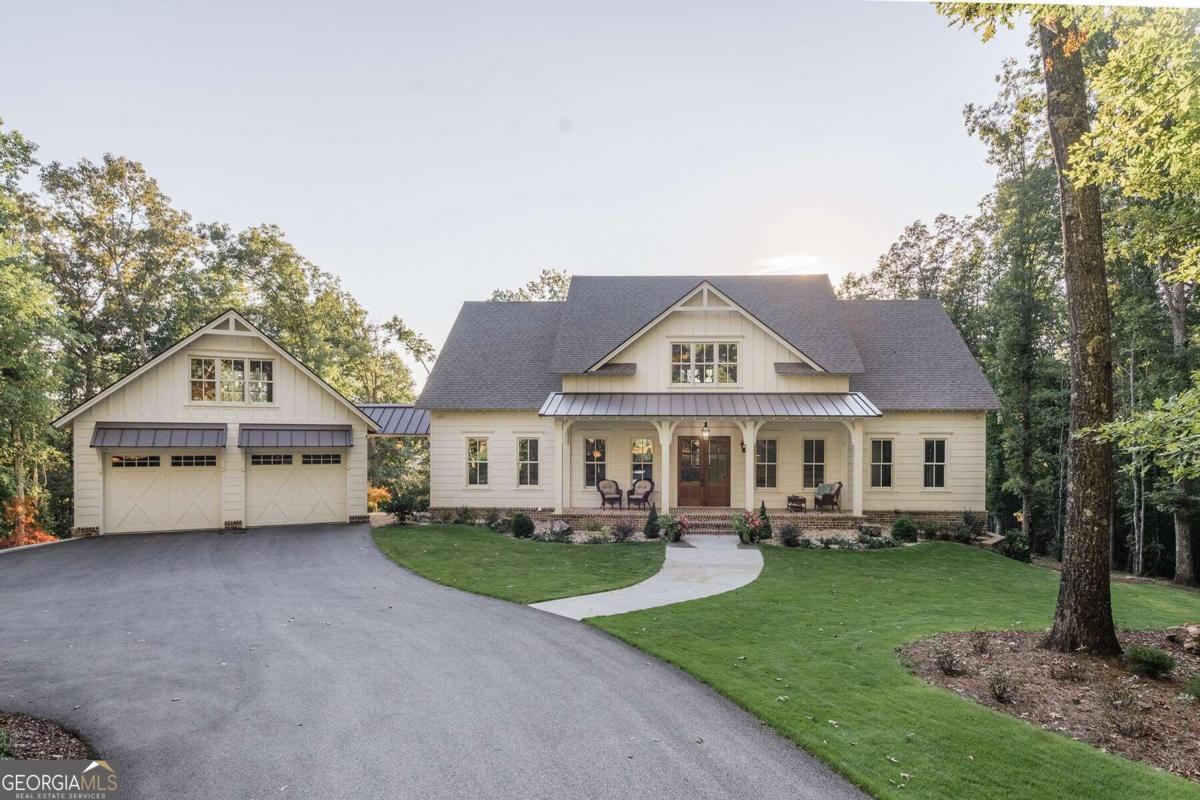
(610, 493)
(827, 497)
(640, 493)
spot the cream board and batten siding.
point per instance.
(966, 461)
(162, 394)
(448, 435)
(758, 352)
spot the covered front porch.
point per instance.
(710, 451)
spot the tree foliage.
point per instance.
(551, 284)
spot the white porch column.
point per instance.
(666, 429)
(749, 428)
(856, 444)
(562, 493)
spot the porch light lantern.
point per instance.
(704, 432)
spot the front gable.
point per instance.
(225, 369)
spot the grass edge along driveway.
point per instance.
(521, 570)
(810, 648)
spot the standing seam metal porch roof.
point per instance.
(398, 420)
(716, 404)
(295, 436)
(132, 434)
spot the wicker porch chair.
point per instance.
(828, 497)
(640, 493)
(610, 493)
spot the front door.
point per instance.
(704, 471)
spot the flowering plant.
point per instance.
(673, 528)
(749, 527)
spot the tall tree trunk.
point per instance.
(1175, 297)
(19, 461)
(1083, 617)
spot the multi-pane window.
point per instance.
(320, 458)
(204, 379)
(881, 463)
(814, 462)
(135, 461)
(232, 380)
(527, 462)
(642, 458)
(271, 460)
(595, 460)
(935, 463)
(766, 463)
(262, 381)
(704, 362)
(193, 461)
(477, 462)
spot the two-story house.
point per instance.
(725, 391)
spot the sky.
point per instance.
(428, 153)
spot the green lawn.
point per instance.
(812, 643)
(478, 560)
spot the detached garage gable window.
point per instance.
(231, 380)
(135, 461)
(321, 458)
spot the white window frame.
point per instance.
(769, 468)
(637, 468)
(599, 465)
(191, 460)
(814, 463)
(480, 459)
(135, 462)
(270, 459)
(529, 469)
(721, 363)
(218, 382)
(926, 464)
(320, 459)
(890, 463)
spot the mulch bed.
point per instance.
(30, 737)
(1090, 699)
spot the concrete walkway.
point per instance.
(697, 567)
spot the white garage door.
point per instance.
(161, 492)
(295, 488)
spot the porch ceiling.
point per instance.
(758, 405)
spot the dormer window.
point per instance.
(704, 362)
(232, 380)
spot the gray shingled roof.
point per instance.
(915, 358)
(395, 419)
(496, 356)
(601, 312)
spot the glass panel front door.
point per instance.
(704, 468)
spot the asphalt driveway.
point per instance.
(302, 663)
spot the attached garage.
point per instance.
(295, 475)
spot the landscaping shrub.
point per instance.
(20, 518)
(748, 527)
(651, 529)
(6, 750)
(980, 641)
(1016, 546)
(973, 524)
(402, 504)
(790, 535)
(1001, 686)
(597, 537)
(444, 515)
(492, 520)
(673, 528)
(948, 662)
(522, 526)
(764, 529)
(870, 529)
(1148, 661)
(1125, 713)
(377, 496)
(559, 531)
(1192, 687)
(904, 529)
(464, 516)
(877, 543)
(623, 531)
(834, 541)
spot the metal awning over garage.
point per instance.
(133, 434)
(295, 436)
(398, 420)
(709, 404)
